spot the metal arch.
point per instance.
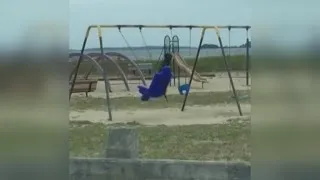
(104, 75)
(132, 63)
(98, 55)
(71, 55)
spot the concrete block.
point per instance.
(123, 142)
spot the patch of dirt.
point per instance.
(168, 116)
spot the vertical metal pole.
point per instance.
(190, 29)
(173, 62)
(79, 62)
(177, 50)
(190, 51)
(229, 49)
(106, 84)
(179, 76)
(174, 73)
(170, 50)
(228, 70)
(178, 68)
(247, 57)
(194, 68)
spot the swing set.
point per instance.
(162, 78)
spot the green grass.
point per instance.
(205, 64)
(196, 98)
(229, 141)
(210, 64)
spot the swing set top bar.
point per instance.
(168, 26)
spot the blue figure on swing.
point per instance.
(159, 83)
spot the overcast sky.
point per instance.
(82, 13)
(271, 20)
(211, 12)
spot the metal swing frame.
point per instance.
(204, 27)
(225, 63)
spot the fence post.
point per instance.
(123, 142)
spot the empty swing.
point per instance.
(184, 88)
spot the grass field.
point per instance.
(223, 141)
(216, 140)
(209, 64)
(228, 141)
(174, 100)
(204, 65)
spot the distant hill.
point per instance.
(214, 46)
(245, 45)
(128, 48)
(209, 46)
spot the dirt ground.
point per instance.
(215, 113)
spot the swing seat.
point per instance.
(158, 85)
(183, 89)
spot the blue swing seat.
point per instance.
(158, 86)
(183, 89)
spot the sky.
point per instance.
(77, 15)
(208, 12)
(33, 22)
(270, 20)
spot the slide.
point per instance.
(188, 69)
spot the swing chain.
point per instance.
(145, 43)
(127, 43)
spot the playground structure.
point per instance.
(171, 54)
(112, 64)
(172, 57)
